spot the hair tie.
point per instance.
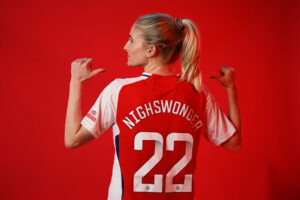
(178, 23)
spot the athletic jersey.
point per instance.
(156, 122)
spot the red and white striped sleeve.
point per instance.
(102, 114)
(218, 127)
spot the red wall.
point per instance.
(40, 39)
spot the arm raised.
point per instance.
(75, 134)
(227, 79)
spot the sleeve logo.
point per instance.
(91, 115)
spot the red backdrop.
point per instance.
(40, 39)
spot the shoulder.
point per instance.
(120, 82)
(209, 99)
(116, 85)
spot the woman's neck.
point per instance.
(158, 68)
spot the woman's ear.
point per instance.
(151, 51)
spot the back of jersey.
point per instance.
(159, 123)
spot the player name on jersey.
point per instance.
(162, 106)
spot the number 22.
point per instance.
(138, 186)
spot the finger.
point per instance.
(224, 70)
(96, 71)
(224, 67)
(76, 60)
(88, 60)
(221, 70)
(88, 63)
(227, 67)
(231, 68)
(82, 60)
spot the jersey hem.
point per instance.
(226, 136)
(86, 124)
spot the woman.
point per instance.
(157, 118)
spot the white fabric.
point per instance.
(219, 127)
(115, 187)
(105, 108)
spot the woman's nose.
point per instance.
(125, 47)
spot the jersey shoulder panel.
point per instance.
(102, 115)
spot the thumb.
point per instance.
(215, 77)
(96, 71)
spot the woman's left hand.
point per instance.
(81, 69)
(226, 77)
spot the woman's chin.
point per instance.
(131, 64)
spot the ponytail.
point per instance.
(190, 54)
(167, 34)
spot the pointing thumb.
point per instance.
(97, 71)
(215, 77)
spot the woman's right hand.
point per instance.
(226, 77)
(81, 69)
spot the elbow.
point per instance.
(236, 148)
(233, 148)
(234, 144)
(70, 144)
(70, 140)
(237, 145)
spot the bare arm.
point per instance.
(235, 142)
(227, 79)
(75, 134)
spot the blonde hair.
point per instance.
(168, 36)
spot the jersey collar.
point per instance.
(146, 74)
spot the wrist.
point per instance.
(231, 87)
(75, 81)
